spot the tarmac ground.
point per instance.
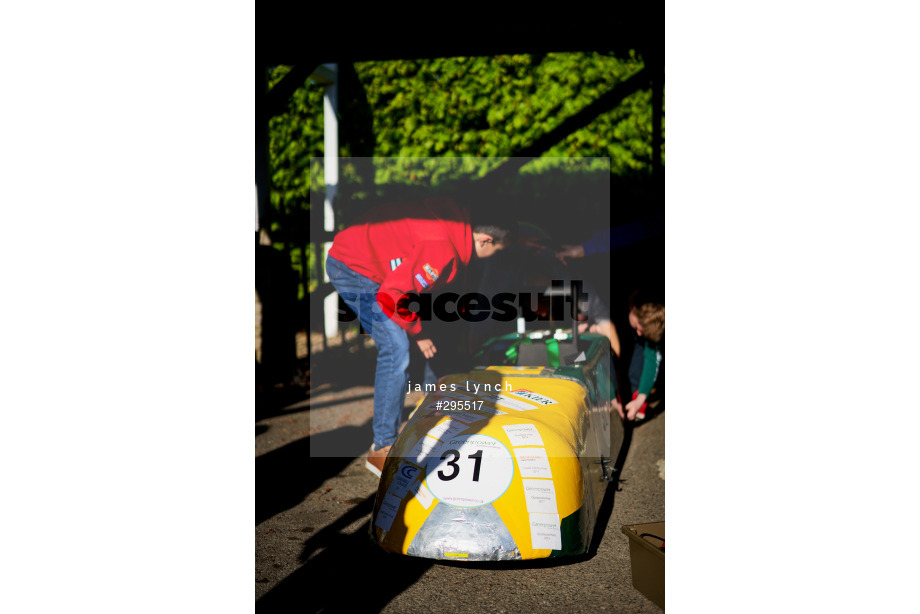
(313, 547)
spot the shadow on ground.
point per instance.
(284, 477)
(329, 371)
(365, 577)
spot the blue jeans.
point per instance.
(392, 375)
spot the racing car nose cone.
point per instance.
(464, 534)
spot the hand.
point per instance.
(619, 406)
(427, 347)
(607, 329)
(632, 408)
(570, 251)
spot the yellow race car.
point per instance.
(508, 461)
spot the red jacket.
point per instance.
(407, 247)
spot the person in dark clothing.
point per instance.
(647, 320)
(608, 239)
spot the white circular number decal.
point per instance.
(472, 470)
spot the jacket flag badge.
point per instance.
(431, 273)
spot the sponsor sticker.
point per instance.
(506, 401)
(430, 272)
(533, 396)
(405, 476)
(387, 512)
(540, 496)
(422, 449)
(465, 417)
(447, 429)
(523, 434)
(486, 409)
(533, 462)
(419, 279)
(545, 531)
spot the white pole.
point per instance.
(331, 175)
(330, 147)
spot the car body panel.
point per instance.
(518, 477)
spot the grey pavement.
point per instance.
(314, 552)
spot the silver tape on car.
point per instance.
(464, 534)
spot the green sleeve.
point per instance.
(652, 358)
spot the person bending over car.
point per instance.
(392, 251)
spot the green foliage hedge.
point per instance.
(462, 106)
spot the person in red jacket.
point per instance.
(391, 252)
